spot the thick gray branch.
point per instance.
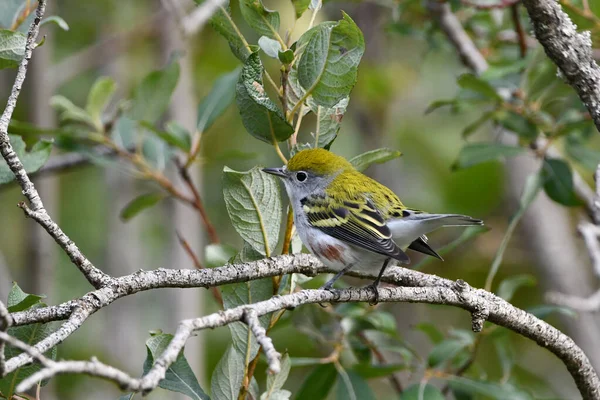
(569, 50)
(4, 325)
(96, 277)
(420, 288)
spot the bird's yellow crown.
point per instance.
(319, 161)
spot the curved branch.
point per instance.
(417, 287)
(570, 50)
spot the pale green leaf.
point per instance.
(275, 382)
(271, 47)
(139, 204)
(260, 116)
(224, 24)
(32, 160)
(153, 95)
(98, 98)
(12, 48)
(300, 6)
(62, 24)
(261, 19)
(218, 100)
(227, 376)
(18, 300)
(328, 122)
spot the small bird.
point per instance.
(349, 220)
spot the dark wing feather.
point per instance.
(421, 246)
(356, 222)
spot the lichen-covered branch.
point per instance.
(416, 287)
(36, 209)
(570, 50)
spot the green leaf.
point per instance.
(271, 47)
(153, 95)
(478, 85)
(490, 389)
(439, 104)
(476, 153)
(300, 6)
(253, 202)
(175, 135)
(223, 23)
(422, 391)
(32, 160)
(227, 376)
(139, 204)
(218, 100)
(62, 24)
(12, 48)
(545, 310)
(378, 156)
(378, 371)
(217, 255)
(156, 152)
(18, 300)
(328, 66)
(509, 286)
(353, 386)
(518, 124)
(582, 154)
(446, 351)
(100, 94)
(431, 330)
(261, 19)
(275, 382)
(558, 182)
(239, 294)
(179, 376)
(478, 123)
(69, 112)
(260, 116)
(286, 57)
(328, 122)
(318, 384)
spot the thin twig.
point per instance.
(394, 379)
(514, 12)
(37, 211)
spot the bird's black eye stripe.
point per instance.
(301, 176)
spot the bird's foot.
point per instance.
(329, 287)
(373, 287)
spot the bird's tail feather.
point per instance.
(447, 219)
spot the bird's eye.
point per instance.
(301, 176)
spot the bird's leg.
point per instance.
(329, 284)
(375, 283)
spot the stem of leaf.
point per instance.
(314, 15)
(289, 230)
(294, 137)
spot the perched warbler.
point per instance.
(349, 220)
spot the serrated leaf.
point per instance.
(98, 98)
(61, 23)
(260, 116)
(253, 202)
(476, 153)
(300, 6)
(510, 285)
(517, 123)
(318, 384)
(218, 100)
(18, 300)
(558, 182)
(275, 382)
(153, 95)
(32, 160)
(227, 376)
(223, 23)
(328, 66)
(271, 47)
(179, 377)
(422, 391)
(29, 334)
(328, 122)
(139, 204)
(261, 19)
(12, 48)
(378, 156)
(478, 85)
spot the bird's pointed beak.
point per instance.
(275, 171)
